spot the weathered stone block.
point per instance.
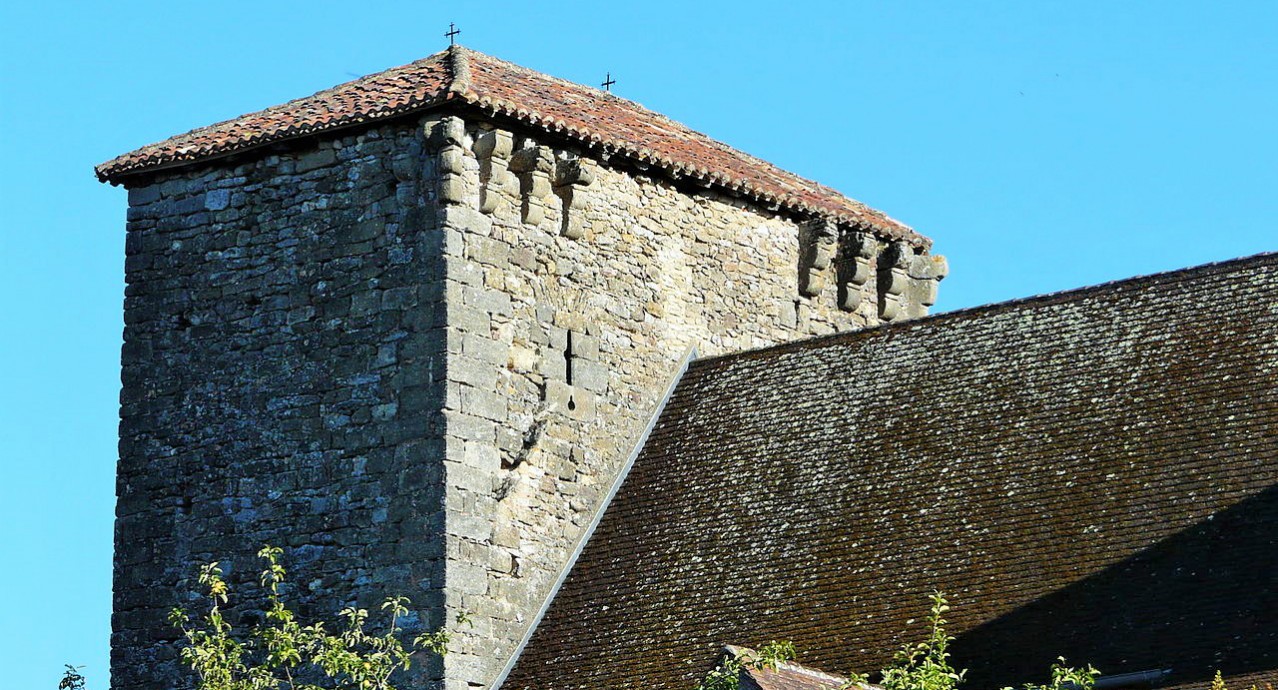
(487, 300)
(313, 160)
(471, 527)
(487, 251)
(592, 376)
(933, 266)
(469, 427)
(217, 199)
(141, 196)
(468, 578)
(452, 189)
(570, 401)
(473, 372)
(473, 479)
(483, 403)
(485, 349)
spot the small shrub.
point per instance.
(1218, 683)
(1067, 678)
(71, 678)
(280, 652)
(727, 675)
(926, 666)
(921, 666)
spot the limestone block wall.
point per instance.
(574, 286)
(282, 382)
(416, 356)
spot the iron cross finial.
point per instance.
(608, 82)
(452, 33)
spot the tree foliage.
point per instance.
(284, 653)
(926, 665)
(921, 666)
(71, 678)
(727, 675)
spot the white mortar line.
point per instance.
(640, 442)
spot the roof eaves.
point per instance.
(886, 227)
(460, 87)
(117, 170)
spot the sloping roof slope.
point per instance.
(464, 77)
(1091, 474)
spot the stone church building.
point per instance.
(520, 348)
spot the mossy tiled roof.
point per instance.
(1091, 474)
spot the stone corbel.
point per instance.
(493, 150)
(894, 279)
(450, 134)
(534, 166)
(926, 272)
(860, 250)
(820, 240)
(572, 177)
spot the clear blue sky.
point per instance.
(1043, 145)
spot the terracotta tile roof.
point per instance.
(788, 676)
(396, 91)
(1091, 474)
(461, 76)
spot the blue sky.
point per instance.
(1043, 145)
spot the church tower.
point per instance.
(411, 328)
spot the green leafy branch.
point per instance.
(921, 666)
(277, 654)
(727, 675)
(71, 678)
(1218, 683)
(1066, 678)
(926, 665)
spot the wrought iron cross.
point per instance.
(452, 33)
(608, 82)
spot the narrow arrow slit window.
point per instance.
(572, 404)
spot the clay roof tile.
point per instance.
(580, 112)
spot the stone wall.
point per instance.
(417, 356)
(282, 383)
(574, 289)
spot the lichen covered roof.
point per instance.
(1091, 474)
(460, 76)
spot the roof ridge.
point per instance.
(459, 64)
(1045, 299)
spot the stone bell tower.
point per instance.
(410, 329)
